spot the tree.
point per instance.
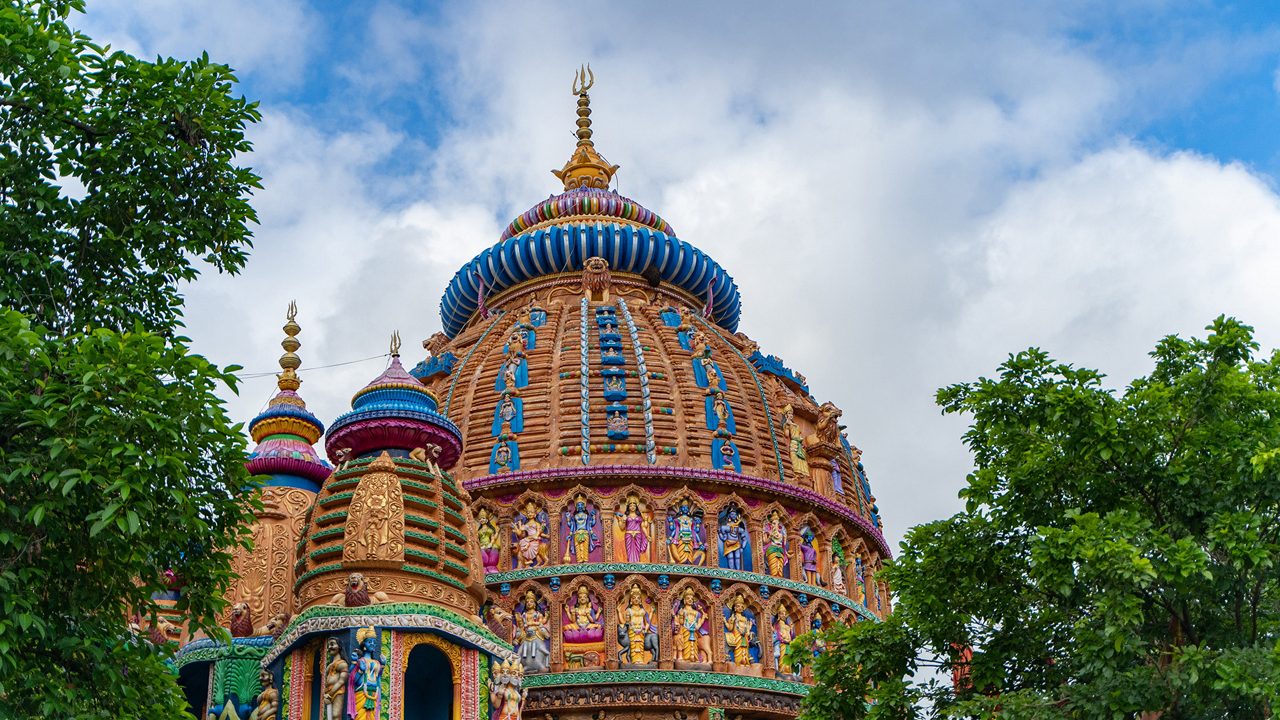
(118, 463)
(1118, 552)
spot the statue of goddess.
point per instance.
(530, 531)
(634, 527)
(692, 641)
(532, 633)
(775, 545)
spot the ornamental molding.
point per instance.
(727, 478)
(664, 688)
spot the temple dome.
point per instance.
(586, 203)
(393, 412)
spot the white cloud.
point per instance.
(905, 195)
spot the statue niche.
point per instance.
(632, 531)
(583, 628)
(375, 519)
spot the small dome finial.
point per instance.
(289, 361)
(586, 168)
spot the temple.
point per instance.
(592, 498)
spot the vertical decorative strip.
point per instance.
(295, 669)
(384, 705)
(650, 447)
(397, 674)
(458, 372)
(584, 380)
(470, 685)
(768, 414)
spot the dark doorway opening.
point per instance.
(194, 680)
(428, 685)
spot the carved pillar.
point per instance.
(611, 625)
(666, 648)
(555, 608)
(718, 658)
(754, 527)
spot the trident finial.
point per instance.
(292, 313)
(583, 80)
(395, 344)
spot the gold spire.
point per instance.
(289, 361)
(395, 344)
(586, 168)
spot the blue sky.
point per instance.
(906, 192)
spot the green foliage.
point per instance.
(1117, 554)
(117, 460)
(115, 175)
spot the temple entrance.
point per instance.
(428, 685)
(193, 678)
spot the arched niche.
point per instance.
(692, 629)
(775, 541)
(787, 621)
(431, 679)
(531, 537)
(632, 525)
(533, 625)
(584, 625)
(745, 634)
(690, 536)
(638, 623)
(581, 528)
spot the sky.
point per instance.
(905, 192)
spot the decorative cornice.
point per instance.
(522, 478)
(329, 618)
(621, 569)
(208, 650)
(680, 677)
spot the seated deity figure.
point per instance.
(487, 538)
(740, 632)
(584, 617)
(637, 633)
(532, 633)
(530, 530)
(691, 630)
(686, 538)
(582, 537)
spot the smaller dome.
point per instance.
(586, 202)
(394, 412)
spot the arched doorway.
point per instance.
(428, 685)
(194, 680)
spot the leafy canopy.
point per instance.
(117, 461)
(1117, 554)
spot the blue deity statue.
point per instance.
(686, 536)
(364, 696)
(581, 537)
(735, 540)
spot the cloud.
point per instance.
(905, 194)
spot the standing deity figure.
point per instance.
(364, 697)
(634, 527)
(268, 699)
(685, 536)
(859, 582)
(784, 631)
(735, 540)
(809, 557)
(691, 631)
(531, 633)
(335, 681)
(505, 694)
(487, 538)
(530, 530)
(583, 618)
(637, 633)
(837, 577)
(714, 381)
(795, 440)
(775, 544)
(740, 631)
(581, 535)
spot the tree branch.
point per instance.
(24, 105)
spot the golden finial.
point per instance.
(289, 361)
(586, 168)
(395, 344)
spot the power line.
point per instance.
(273, 373)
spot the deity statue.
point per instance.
(686, 538)
(809, 557)
(505, 694)
(691, 629)
(740, 639)
(637, 633)
(719, 414)
(795, 439)
(616, 423)
(508, 415)
(714, 380)
(487, 537)
(525, 328)
(335, 681)
(859, 581)
(504, 460)
(631, 532)
(531, 633)
(614, 383)
(529, 530)
(775, 545)
(784, 631)
(364, 688)
(268, 699)
(735, 540)
(583, 618)
(581, 536)
(837, 577)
